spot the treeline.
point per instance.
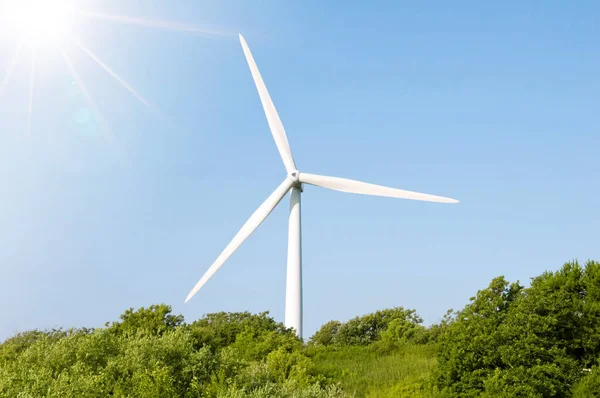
(509, 341)
(152, 353)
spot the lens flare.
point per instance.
(43, 26)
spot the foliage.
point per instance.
(589, 385)
(289, 390)
(509, 341)
(222, 329)
(82, 364)
(154, 320)
(468, 349)
(255, 344)
(153, 353)
(326, 334)
(366, 329)
(524, 342)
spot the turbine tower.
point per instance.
(293, 184)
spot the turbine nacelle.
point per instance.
(294, 176)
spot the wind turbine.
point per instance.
(293, 184)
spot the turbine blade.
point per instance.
(272, 117)
(364, 188)
(253, 222)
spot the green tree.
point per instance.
(221, 329)
(156, 319)
(468, 348)
(325, 336)
(253, 344)
(511, 341)
(363, 330)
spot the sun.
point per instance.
(37, 20)
(52, 25)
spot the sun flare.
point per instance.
(43, 26)
(37, 20)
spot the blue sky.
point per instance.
(493, 104)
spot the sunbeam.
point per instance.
(86, 94)
(31, 87)
(11, 67)
(154, 23)
(40, 26)
(112, 73)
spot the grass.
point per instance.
(371, 373)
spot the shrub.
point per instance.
(511, 341)
(589, 385)
(366, 329)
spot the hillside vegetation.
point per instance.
(509, 341)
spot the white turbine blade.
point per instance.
(272, 117)
(253, 222)
(351, 186)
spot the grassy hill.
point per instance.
(367, 372)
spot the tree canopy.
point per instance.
(524, 342)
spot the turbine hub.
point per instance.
(295, 177)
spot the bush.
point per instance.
(366, 329)
(589, 385)
(222, 329)
(152, 353)
(404, 331)
(326, 334)
(511, 341)
(156, 319)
